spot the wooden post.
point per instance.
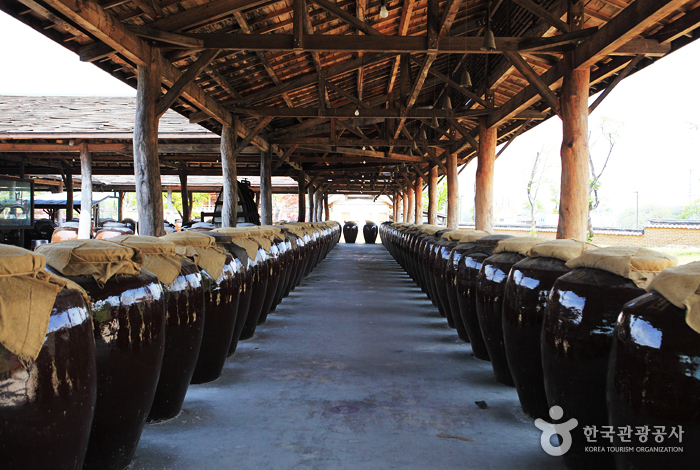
(404, 214)
(395, 206)
(120, 206)
(419, 200)
(265, 188)
(84, 228)
(229, 208)
(149, 191)
(310, 196)
(69, 196)
(433, 196)
(411, 215)
(573, 203)
(452, 192)
(301, 180)
(318, 206)
(326, 207)
(483, 199)
(185, 192)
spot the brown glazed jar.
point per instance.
(653, 381)
(184, 327)
(284, 247)
(577, 334)
(442, 256)
(290, 242)
(260, 274)
(273, 278)
(46, 408)
(524, 299)
(451, 277)
(128, 317)
(67, 231)
(350, 231)
(369, 232)
(221, 297)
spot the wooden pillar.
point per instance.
(573, 203)
(301, 181)
(149, 192)
(185, 192)
(404, 214)
(411, 215)
(483, 199)
(452, 192)
(318, 206)
(326, 207)
(310, 196)
(433, 196)
(419, 200)
(69, 196)
(229, 208)
(266, 188)
(84, 229)
(120, 206)
(395, 206)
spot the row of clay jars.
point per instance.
(369, 232)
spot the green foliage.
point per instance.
(198, 201)
(442, 196)
(691, 211)
(627, 218)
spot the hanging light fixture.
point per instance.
(489, 41)
(466, 79)
(434, 122)
(448, 103)
(383, 12)
(423, 135)
(357, 110)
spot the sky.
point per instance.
(653, 112)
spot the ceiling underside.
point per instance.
(357, 101)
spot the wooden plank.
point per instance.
(346, 95)
(229, 209)
(298, 26)
(69, 195)
(94, 51)
(417, 86)
(64, 25)
(573, 37)
(185, 79)
(433, 24)
(544, 14)
(349, 113)
(351, 142)
(524, 68)
(448, 16)
(632, 64)
(185, 192)
(347, 17)
(206, 13)
(682, 26)
(166, 37)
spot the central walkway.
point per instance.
(354, 370)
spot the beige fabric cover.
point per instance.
(520, 245)
(465, 236)
(201, 249)
(28, 293)
(242, 238)
(430, 229)
(159, 256)
(100, 259)
(564, 250)
(640, 265)
(681, 286)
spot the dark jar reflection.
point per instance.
(654, 380)
(46, 408)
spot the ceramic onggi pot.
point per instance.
(350, 231)
(369, 232)
(113, 229)
(577, 335)
(653, 382)
(47, 406)
(67, 231)
(260, 272)
(467, 275)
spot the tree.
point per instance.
(198, 200)
(691, 211)
(608, 128)
(539, 166)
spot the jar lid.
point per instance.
(680, 285)
(640, 265)
(520, 245)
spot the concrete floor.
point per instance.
(355, 370)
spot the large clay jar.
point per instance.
(113, 229)
(184, 322)
(577, 335)
(524, 301)
(653, 381)
(67, 231)
(128, 316)
(369, 231)
(270, 242)
(46, 403)
(442, 256)
(350, 231)
(221, 285)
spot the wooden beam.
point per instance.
(448, 16)
(298, 26)
(417, 86)
(346, 95)
(432, 197)
(251, 135)
(526, 71)
(347, 17)
(632, 64)
(454, 84)
(682, 26)
(167, 37)
(349, 113)
(206, 13)
(284, 158)
(520, 130)
(301, 204)
(452, 192)
(352, 142)
(184, 190)
(573, 37)
(69, 195)
(544, 14)
(185, 79)
(265, 188)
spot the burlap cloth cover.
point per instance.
(27, 295)
(99, 259)
(564, 250)
(681, 286)
(464, 236)
(640, 265)
(243, 238)
(520, 245)
(201, 249)
(430, 229)
(159, 256)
